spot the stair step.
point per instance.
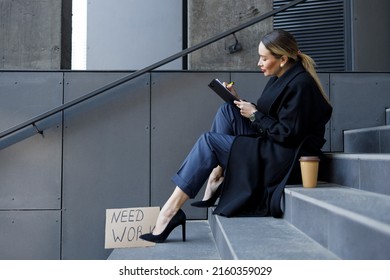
(231, 238)
(368, 172)
(327, 222)
(199, 245)
(367, 140)
(263, 238)
(353, 224)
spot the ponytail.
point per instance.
(309, 64)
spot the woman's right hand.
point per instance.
(231, 88)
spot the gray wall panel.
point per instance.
(359, 101)
(30, 171)
(29, 235)
(370, 35)
(26, 94)
(249, 85)
(106, 158)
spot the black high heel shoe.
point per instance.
(177, 220)
(209, 202)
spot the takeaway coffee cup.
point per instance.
(309, 170)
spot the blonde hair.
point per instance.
(280, 42)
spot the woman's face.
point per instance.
(269, 64)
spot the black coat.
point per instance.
(291, 119)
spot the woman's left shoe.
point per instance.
(178, 219)
(209, 202)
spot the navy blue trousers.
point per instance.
(211, 149)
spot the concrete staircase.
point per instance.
(345, 219)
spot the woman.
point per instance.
(250, 149)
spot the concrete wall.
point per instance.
(207, 18)
(131, 34)
(35, 34)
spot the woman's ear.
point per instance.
(283, 60)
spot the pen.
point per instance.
(231, 83)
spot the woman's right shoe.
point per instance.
(209, 202)
(178, 219)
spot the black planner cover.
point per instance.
(222, 91)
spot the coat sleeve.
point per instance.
(290, 121)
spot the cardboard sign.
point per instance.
(125, 225)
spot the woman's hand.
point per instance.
(231, 89)
(246, 108)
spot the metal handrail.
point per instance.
(138, 73)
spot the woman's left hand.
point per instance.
(246, 108)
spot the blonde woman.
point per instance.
(250, 148)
